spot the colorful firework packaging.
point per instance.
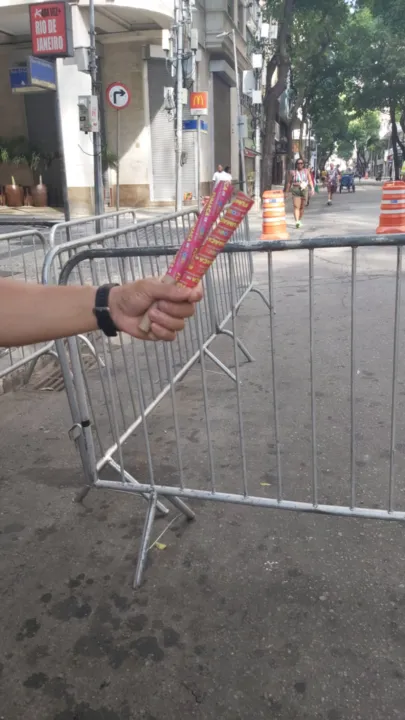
(215, 243)
(201, 229)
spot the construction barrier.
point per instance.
(86, 226)
(22, 256)
(201, 462)
(274, 217)
(392, 215)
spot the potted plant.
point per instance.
(14, 194)
(12, 153)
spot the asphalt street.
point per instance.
(247, 613)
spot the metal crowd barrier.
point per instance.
(22, 256)
(83, 227)
(108, 405)
(167, 229)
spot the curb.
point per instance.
(24, 220)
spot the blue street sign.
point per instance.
(18, 79)
(192, 125)
(35, 75)
(41, 73)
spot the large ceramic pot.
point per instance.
(39, 194)
(14, 195)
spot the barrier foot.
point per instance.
(143, 550)
(263, 297)
(241, 346)
(180, 505)
(220, 364)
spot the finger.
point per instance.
(197, 293)
(158, 290)
(180, 310)
(166, 320)
(161, 333)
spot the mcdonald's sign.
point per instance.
(199, 103)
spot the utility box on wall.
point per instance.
(88, 114)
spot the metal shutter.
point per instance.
(162, 133)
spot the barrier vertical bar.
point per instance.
(237, 378)
(312, 381)
(353, 379)
(397, 320)
(274, 378)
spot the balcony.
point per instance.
(219, 20)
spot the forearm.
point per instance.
(36, 313)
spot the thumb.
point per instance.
(158, 290)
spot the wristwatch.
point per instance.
(101, 311)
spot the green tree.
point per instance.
(310, 33)
(377, 56)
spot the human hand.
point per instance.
(128, 304)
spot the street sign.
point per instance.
(41, 73)
(36, 75)
(199, 103)
(192, 125)
(118, 96)
(51, 29)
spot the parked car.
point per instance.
(347, 181)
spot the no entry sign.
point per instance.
(51, 29)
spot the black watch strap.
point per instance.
(101, 311)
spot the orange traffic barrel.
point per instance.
(392, 214)
(274, 220)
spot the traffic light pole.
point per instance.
(239, 105)
(179, 106)
(97, 151)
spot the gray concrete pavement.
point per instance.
(247, 613)
(350, 214)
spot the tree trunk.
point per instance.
(301, 140)
(395, 140)
(280, 62)
(290, 154)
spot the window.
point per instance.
(230, 8)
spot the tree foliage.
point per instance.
(345, 63)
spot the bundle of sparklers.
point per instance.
(206, 239)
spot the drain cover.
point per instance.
(50, 377)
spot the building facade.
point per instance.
(130, 42)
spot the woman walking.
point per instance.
(301, 184)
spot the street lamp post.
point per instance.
(241, 142)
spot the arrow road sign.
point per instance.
(118, 96)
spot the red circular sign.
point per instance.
(118, 95)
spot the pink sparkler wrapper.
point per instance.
(216, 242)
(209, 214)
(196, 237)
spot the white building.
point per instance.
(129, 45)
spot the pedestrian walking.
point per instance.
(332, 179)
(218, 176)
(300, 183)
(31, 313)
